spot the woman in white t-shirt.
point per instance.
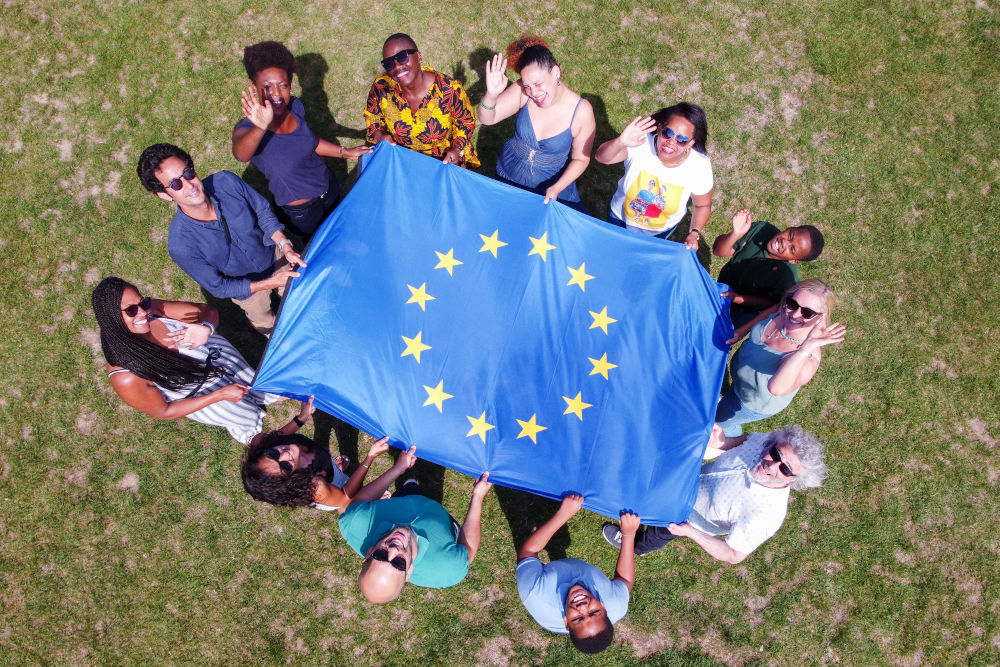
(662, 172)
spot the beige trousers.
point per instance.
(257, 306)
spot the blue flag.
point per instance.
(495, 332)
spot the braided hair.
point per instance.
(141, 357)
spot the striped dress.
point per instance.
(243, 419)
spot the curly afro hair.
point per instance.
(258, 57)
(529, 50)
(295, 490)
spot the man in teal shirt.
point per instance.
(763, 263)
(411, 538)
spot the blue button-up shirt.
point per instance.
(225, 265)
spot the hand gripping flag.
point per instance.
(495, 332)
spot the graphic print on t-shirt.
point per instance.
(649, 204)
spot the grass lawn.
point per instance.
(124, 540)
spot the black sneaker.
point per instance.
(612, 534)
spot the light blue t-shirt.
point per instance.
(441, 561)
(543, 590)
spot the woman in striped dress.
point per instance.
(165, 359)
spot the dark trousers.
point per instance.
(653, 538)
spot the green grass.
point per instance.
(124, 540)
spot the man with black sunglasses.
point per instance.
(742, 495)
(223, 234)
(411, 538)
(763, 262)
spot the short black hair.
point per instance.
(152, 158)
(295, 490)
(595, 643)
(815, 242)
(258, 57)
(400, 36)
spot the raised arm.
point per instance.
(625, 567)
(634, 134)
(583, 144)
(374, 490)
(796, 369)
(500, 101)
(330, 149)
(246, 140)
(332, 496)
(537, 541)
(472, 526)
(724, 244)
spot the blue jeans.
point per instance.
(731, 414)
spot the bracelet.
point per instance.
(362, 465)
(210, 327)
(281, 244)
(696, 231)
(298, 421)
(483, 105)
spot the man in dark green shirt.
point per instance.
(763, 263)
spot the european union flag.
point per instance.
(495, 332)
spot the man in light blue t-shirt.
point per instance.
(570, 596)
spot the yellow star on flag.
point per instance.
(530, 429)
(491, 242)
(602, 320)
(436, 396)
(602, 366)
(479, 427)
(447, 261)
(414, 346)
(575, 405)
(419, 296)
(541, 246)
(580, 276)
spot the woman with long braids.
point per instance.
(165, 359)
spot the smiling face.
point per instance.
(539, 84)
(139, 323)
(192, 192)
(768, 472)
(408, 73)
(667, 149)
(585, 614)
(792, 245)
(274, 84)
(291, 457)
(381, 580)
(803, 300)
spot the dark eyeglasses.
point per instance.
(668, 133)
(188, 175)
(133, 310)
(382, 555)
(398, 59)
(775, 455)
(791, 305)
(285, 466)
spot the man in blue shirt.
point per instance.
(570, 596)
(224, 234)
(411, 538)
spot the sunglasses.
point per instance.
(668, 133)
(133, 310)
(285, 466)
(791, 305)
(188, 175)
(382, 555)
(775, 455)
(398, 59)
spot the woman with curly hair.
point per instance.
(165, 359)
(412, 105)
(665, 166)
(275, 137)
(781, 355)
(293, 471)
(554, 134)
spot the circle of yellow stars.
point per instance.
(436, 396)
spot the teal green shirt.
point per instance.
(441, 561)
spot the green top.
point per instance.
(441, 561)
(751, 272)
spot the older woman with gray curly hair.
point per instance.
(742, 495)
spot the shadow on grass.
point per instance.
(338, 435)
(525, 512)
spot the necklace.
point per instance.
(787, 337)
